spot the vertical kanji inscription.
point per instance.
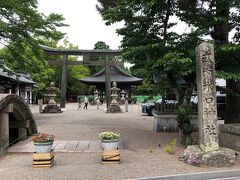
(207, 110)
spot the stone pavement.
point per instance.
(143, 154)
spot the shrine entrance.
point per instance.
(124, 80)
(87, 60)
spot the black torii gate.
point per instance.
(87, 55)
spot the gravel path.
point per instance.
(143, 154)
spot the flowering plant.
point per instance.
(43, 138)
(195, 161)
(109, 135)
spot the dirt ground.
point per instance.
(143, 154)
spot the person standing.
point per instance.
(97, 100)
(79, 103)
(86, 102)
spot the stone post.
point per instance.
(31, 98)
(4, 128)
(40, 104)
(206, 90)
(107, 81)
(126, 103)
(64, 82)
(25, 96)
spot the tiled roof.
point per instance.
(117, 75)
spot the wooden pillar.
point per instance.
(107, 81)
(64, 81)
(22, 134)
(4, 128)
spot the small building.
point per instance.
(124, 80)
(16, 83)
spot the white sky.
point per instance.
(86, 25)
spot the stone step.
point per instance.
(62, 146)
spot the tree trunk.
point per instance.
(165, 24)
(220, 35)
(232, 113)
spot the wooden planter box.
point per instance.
(110, 157)
(43, 160)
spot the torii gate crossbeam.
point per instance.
(87, 54)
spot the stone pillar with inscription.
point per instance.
(208, 151)
(206, 91)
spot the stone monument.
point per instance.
(52, 106)
(208, 152)
(206, 91)
(114, 107)
(122, 99)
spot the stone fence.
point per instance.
(168, 123)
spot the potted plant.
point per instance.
(109, 140)
(43, 142)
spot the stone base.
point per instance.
(64, 110)
(168, 123)
(114, 109)
(195, 156)
(52, 109)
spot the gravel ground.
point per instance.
(143, 154)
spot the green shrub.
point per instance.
(183, 119)
(109, 135)
(171, 147)
(191, 141)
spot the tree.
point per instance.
(98, 45)
(101, 45)
(22, 28)
(28, 62)
(217, 18)
(22, 25)
(148, 43)
(147, 40)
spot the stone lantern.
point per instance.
(123, 93)
(96, 93)
(114, 107)
(51, 93)
(52, 106)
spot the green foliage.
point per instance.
(217, 19)
(191, 141)
(21, 25)
(183, 119)
(109, 135)
(133, 100)
(74, 74)
(91, 98)
(228, 61)
(150, 46)
(36, 65)
(175, 62)
(144, 98)
(171, 147)
(100, 45)
(22, 29)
